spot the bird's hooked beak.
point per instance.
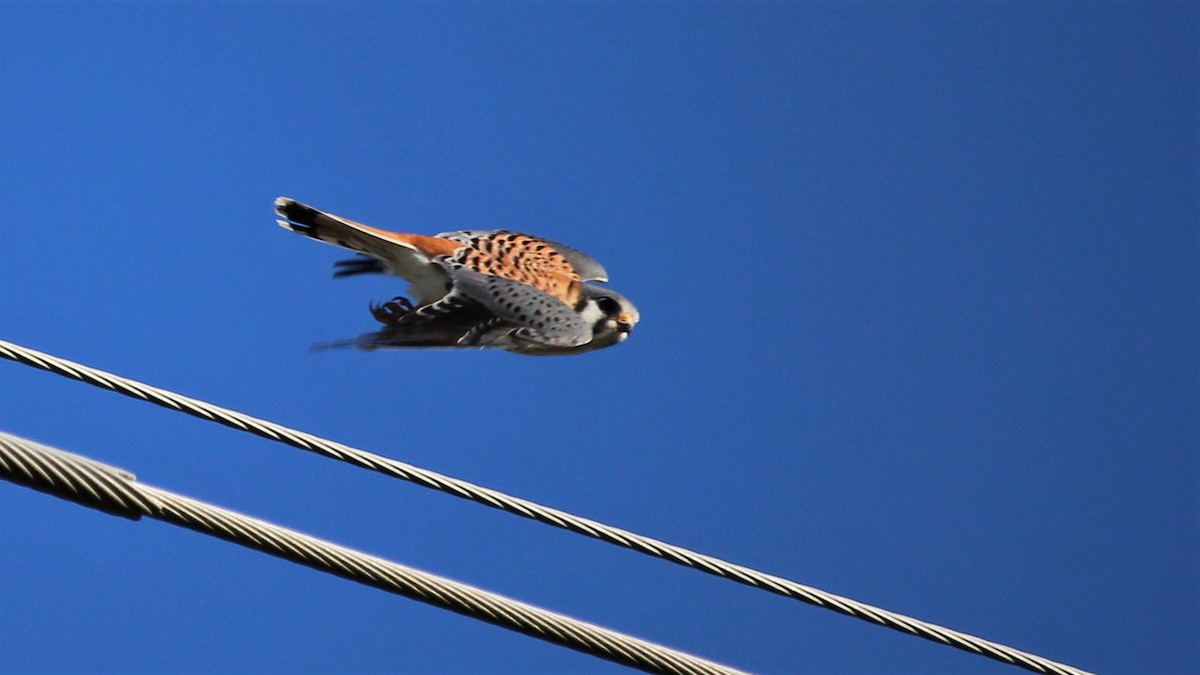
(625, 322)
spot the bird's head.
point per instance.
(612, 315)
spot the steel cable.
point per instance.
(112, 490)
(534, 511)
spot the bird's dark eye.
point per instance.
(607, 304)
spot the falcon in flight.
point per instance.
(475, 288)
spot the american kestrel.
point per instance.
(475, 288)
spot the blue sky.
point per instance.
(919, 291)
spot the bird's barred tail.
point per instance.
(315, 223)
(338, 231)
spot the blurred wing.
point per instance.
(453, 321)
(360, 265)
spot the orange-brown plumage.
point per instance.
(525, 259)
(430, 246)
(510, 255)
(504, 254)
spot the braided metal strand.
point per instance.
(111, 490)
(534, 511)
(70, 477)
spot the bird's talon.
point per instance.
(392, 311)
(403, 303)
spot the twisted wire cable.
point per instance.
(534, 511)
(114, 491)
